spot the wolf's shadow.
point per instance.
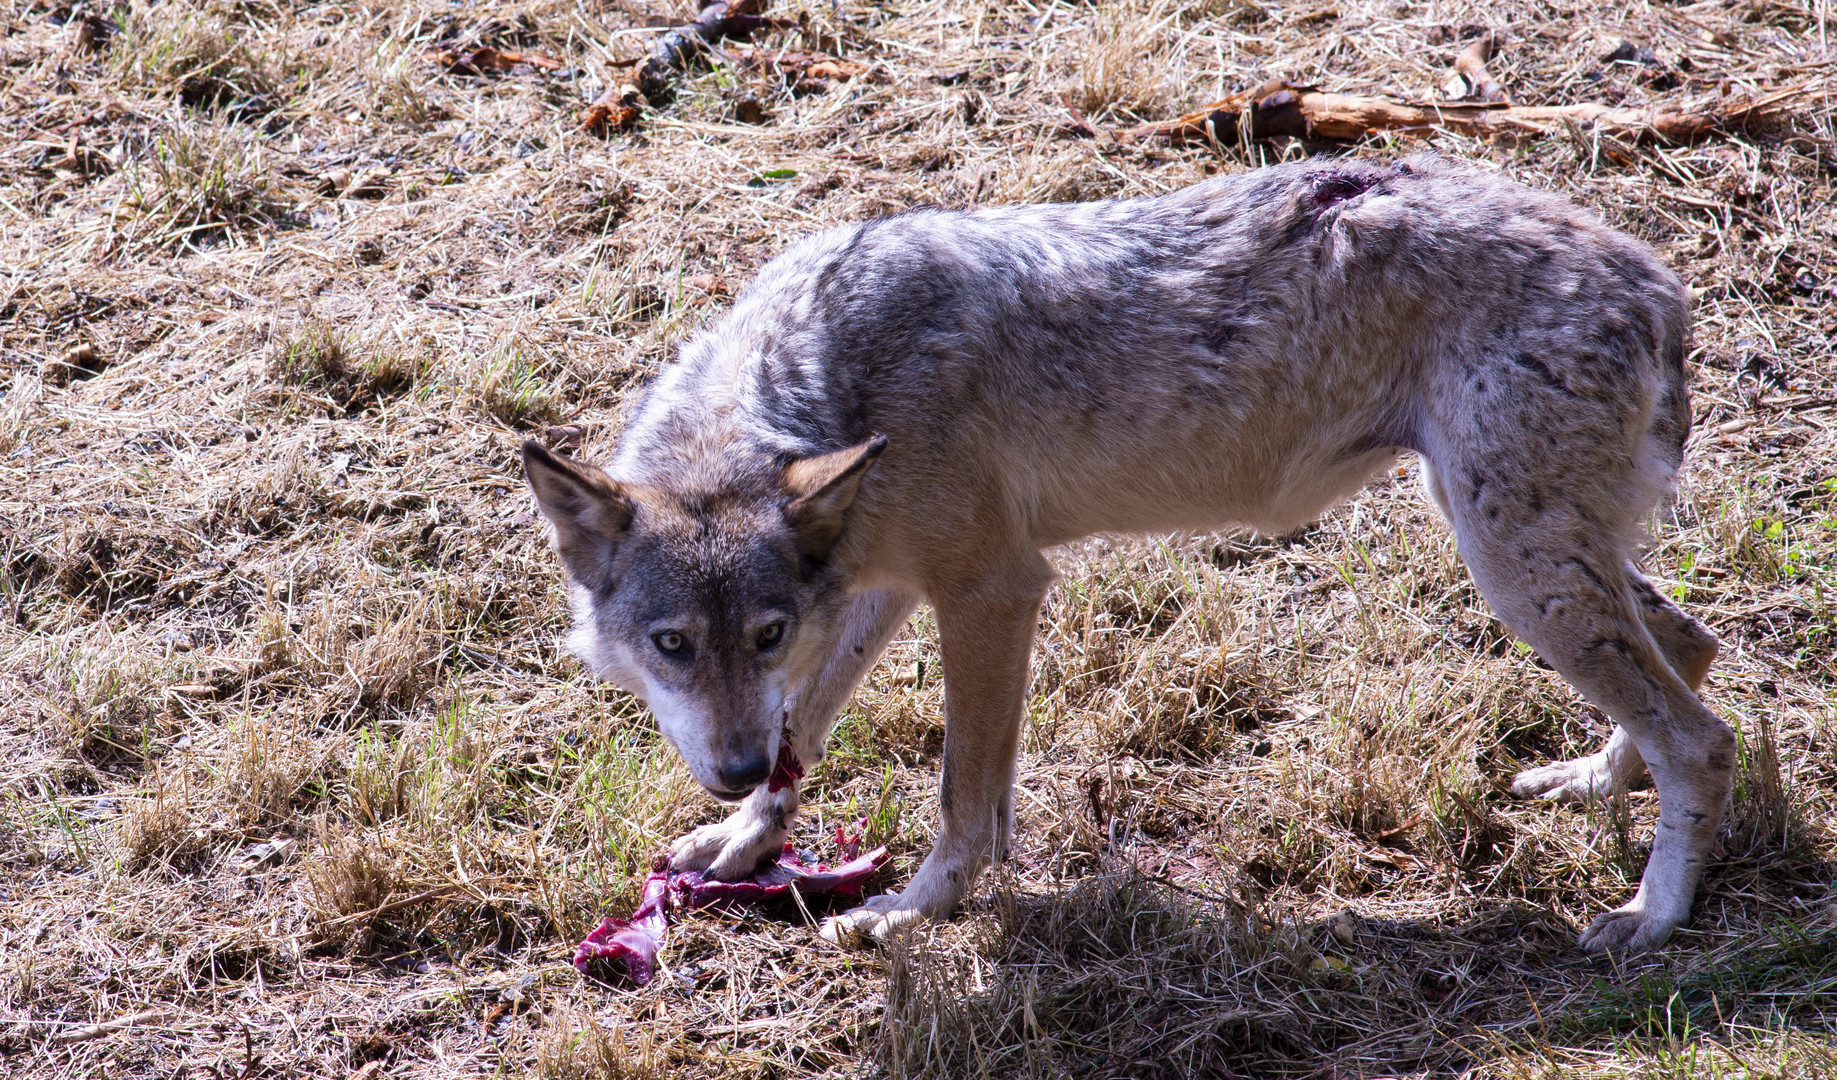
(1126, 976)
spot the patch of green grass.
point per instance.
(200, 180)
(1784, 981)
(506, 384)
(349, 375)
(395, 78)
(202, 55)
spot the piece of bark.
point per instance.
(621, 105)
(1470, 75)
(488, 60)
(1279, 109)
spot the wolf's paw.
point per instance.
(877, 919)
(729, 850)
(1630, 927)
(1587, 779)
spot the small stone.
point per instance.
(750, 110)
(564, 437)
(267, 853)
(78, 363)
(1344, 926)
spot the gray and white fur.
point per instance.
(915, 407)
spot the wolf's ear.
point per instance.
(589, 510)
(821, 490)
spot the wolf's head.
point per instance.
(709, 605)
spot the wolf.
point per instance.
(915, 408)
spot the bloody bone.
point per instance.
(619, 107)
(1278, 108)
(634, 942)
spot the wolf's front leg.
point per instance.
(755, 832)
(986, 633)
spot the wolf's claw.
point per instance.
(1629, 927)
(729, 850)
(877, 919)
(1582, 780)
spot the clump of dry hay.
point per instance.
(291, 761)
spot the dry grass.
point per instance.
(292, 768)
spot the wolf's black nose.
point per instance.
(744, 774)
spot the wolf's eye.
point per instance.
(670, 641)
(769, 635)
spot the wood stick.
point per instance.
(1281, 109)
(1470, 66)
(486, 58)
(620, 106)
(108, 1027)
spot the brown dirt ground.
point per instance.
(296, 781)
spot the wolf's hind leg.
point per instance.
(1560, 583)
(755, 832)
(1688, 646)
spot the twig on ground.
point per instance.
(1278, 109)
(108, 1027)
(394, 905)
(485, 59)
(621, 105)
(1471, 79)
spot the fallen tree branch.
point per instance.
(1278, 109)
(620, 106)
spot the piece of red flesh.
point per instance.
(788, 771)
(634, 942)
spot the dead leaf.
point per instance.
(488, 60)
